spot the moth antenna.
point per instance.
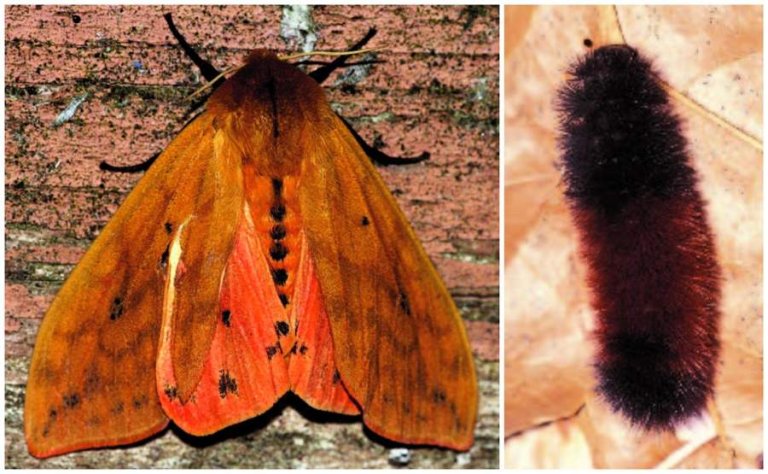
(213, 81)
(364, 62)
(330, 53)
(377, 156)
(322, 73)
(210, 73)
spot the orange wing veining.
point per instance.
(272, 335)
(90, 381)
(244, 372)
(304, 333)
(303, 330)
(208, 243)
(312, 368)
(400, 343)
(252, 289)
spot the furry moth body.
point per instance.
(652, 268)
(260, 254)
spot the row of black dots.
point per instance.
(278, 251)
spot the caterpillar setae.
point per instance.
(643, 228)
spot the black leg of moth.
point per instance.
(319, 75)
(137, 168)
(322, 73)
(377, 156)
(206, 69)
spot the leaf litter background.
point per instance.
(712, 55)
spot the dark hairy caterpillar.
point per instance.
(644, 234)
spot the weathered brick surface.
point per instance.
(436, 91)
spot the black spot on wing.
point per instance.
(364, 221)
(439, 396)
(283, 299)
(170, 392)
(168, 227)
(283, 327)
(139, 402)
(336, 377)
(71, 400)
(272, 350)
(303, 349)
(116, 309)
(227, 384)
(405, 305)
(164, 258)
(225, 317)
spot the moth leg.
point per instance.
(378, 156)
(137, 168)
(206, 69)
(321, 74)
(144, 165)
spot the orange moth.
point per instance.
(260, 254)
